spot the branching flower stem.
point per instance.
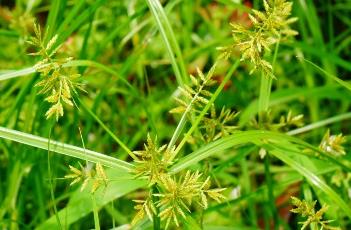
(183, 119)
(207, 107)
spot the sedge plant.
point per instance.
(217, 155)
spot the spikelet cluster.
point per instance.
(176, 194)
(268, 28)
(341, 178)
(285, 122)
(57, 83)
(194, 98)
(307, 209)
(144, 208)
(153, 161)
(86, 174)
(332, 144)
(216, 125)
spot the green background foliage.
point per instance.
(132, 56)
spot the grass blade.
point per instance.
(286, 95)
(321, 123)
(17, 73)
(338, 80)
(78, 21)
(241, 138)
(80, 203)
(74, 63)
(65, 149)
(311, 177)
(169, 40)
(54, 14)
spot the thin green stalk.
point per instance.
(319, 124)
(71, 16)
(311, 15)
(83, 51)
(123, 146)
(156, 219)
(82, 140)
(345, 84)
(313, 103)
(266, 217)
(52, 195)
(270, 192)
(270, 186)
(113, 218)
(180, 125)
(96, 213)
(247, 188)
(207, 107)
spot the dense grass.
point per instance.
(133, 56)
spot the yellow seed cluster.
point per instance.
(57, 83)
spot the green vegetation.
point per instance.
(175, 114)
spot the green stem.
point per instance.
(113, 218)
(156, 218)
(313, 103)
(248, 190)
(52, 195)
(96, 213)
(271, 198)
(123, 146)
(265, 92)
(263, 106)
